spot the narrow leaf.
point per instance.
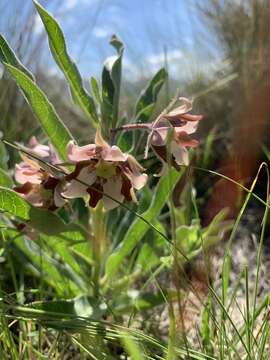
(44, 111)
(138, 228)
(150, 93)
(59, 51)
(7, 56)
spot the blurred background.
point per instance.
(216, 52)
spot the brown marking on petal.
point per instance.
(50, 183)
(190, 117)
(161, 152)
(186, 141)
(96, 193)
(79, 166)
(177, 122)
(126, 188)
(24, 189)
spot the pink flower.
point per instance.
(104, 172)
(38, 186)
(170, 135)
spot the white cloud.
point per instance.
(69, 4)
(38, 25)
(101, 32)
(159, 59)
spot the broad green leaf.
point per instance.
(59, 51)
(84, 306)
(12, 203)
(57, 132)
(5, 180)
(148, 97)
(7, 56)
(138, 228)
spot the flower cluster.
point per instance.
(37, 184)
(170, 135)
(102, 171)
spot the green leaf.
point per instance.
(7, 56)
(111, 84)
(57, 132)
(59, 51)
(95, 89)
(139, 228)
(4, 157)
(116, 74)
(5, 180)
(50, 268)
(149, 95)
(14, 204)
(84, 306)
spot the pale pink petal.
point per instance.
(33, 142)
(54, 158)
(113, 154)
(112, 187)
(190, 127)
(59, 201)
(159, 137)
(180, 153)
(180, 110)
(34, 197)
(24, 174)
(77, 153)
(137, 179)
(42, 151)
(75, 188)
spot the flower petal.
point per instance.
(185, 140)
(76, 189)
(180, 153)
(113, 154)
(112, 187)
(25, 173)
(180, 110)
(190, 127)
(77, 153)
(59, 201)
(134, 174)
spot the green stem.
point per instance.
(98, 243)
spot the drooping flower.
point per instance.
(103, 171)
(37, 185)
(170, 135)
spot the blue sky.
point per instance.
(147, 27)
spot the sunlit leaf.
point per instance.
(5, 179)
(148, 97)
(57, 132)
(59, 51)
(8, 56)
